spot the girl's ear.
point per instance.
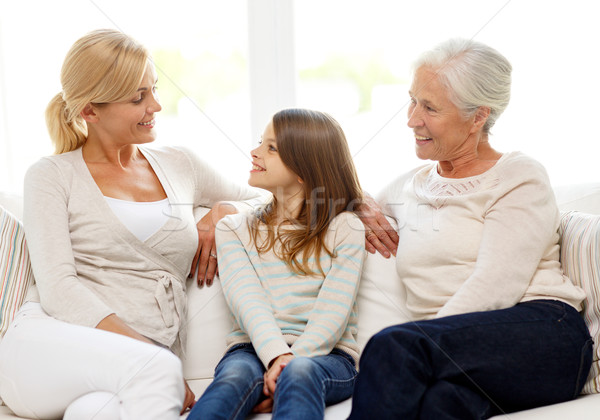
(300, 181)
(89, 113)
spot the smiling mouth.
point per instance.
(148, 123)
(255, 167)
(422, 138)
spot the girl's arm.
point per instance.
(334, 305)
(243, 291)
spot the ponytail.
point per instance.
(67, 132)
(103, 66)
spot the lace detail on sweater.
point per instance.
(436, 190)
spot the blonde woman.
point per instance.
(112, 237)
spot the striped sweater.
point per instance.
(280, 311)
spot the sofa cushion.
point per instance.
(15, 270)
(381, 297)
(580, 259)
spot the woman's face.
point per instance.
(131, 121)
(441, 132)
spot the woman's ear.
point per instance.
(481, 116)
(88, 113)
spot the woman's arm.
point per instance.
(224, 197)
(519, 229)
(380, 235)
(47, 229)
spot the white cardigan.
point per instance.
(88, 265)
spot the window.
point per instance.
(225, 67)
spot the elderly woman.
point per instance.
(496, 327)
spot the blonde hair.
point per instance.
(101, 67)
(313, 145)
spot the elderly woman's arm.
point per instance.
(519, 238)
(380, 234)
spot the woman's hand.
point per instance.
(189, 400)
(205, 259)
(380, 235)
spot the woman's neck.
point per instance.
(472, 164)
(121, 156)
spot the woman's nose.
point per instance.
(414, 118)
(154, 105)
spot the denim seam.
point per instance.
(579, 383)
(243, 401)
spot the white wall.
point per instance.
(552, 45)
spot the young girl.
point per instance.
(290, 275)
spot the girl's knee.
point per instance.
(298, 370)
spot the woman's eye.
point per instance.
(138, 100)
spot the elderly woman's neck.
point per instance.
(472, 164)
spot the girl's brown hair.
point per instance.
(313, 145)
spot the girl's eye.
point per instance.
(273, 148)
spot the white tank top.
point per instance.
(143, 219)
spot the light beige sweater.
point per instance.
(479, 243)
(88, 265)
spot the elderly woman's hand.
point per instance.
(205, 259)
(380, 235)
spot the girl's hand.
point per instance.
(265, 406)
(380, 235)
(271, 375)
(206, 254)
(189, 400)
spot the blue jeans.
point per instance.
(303, 389)
(474, 366)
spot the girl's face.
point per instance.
(268, 170)
(130, 121)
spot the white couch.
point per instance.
(381, 303)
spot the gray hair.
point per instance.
(475, 75)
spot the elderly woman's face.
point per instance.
(441, 132)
